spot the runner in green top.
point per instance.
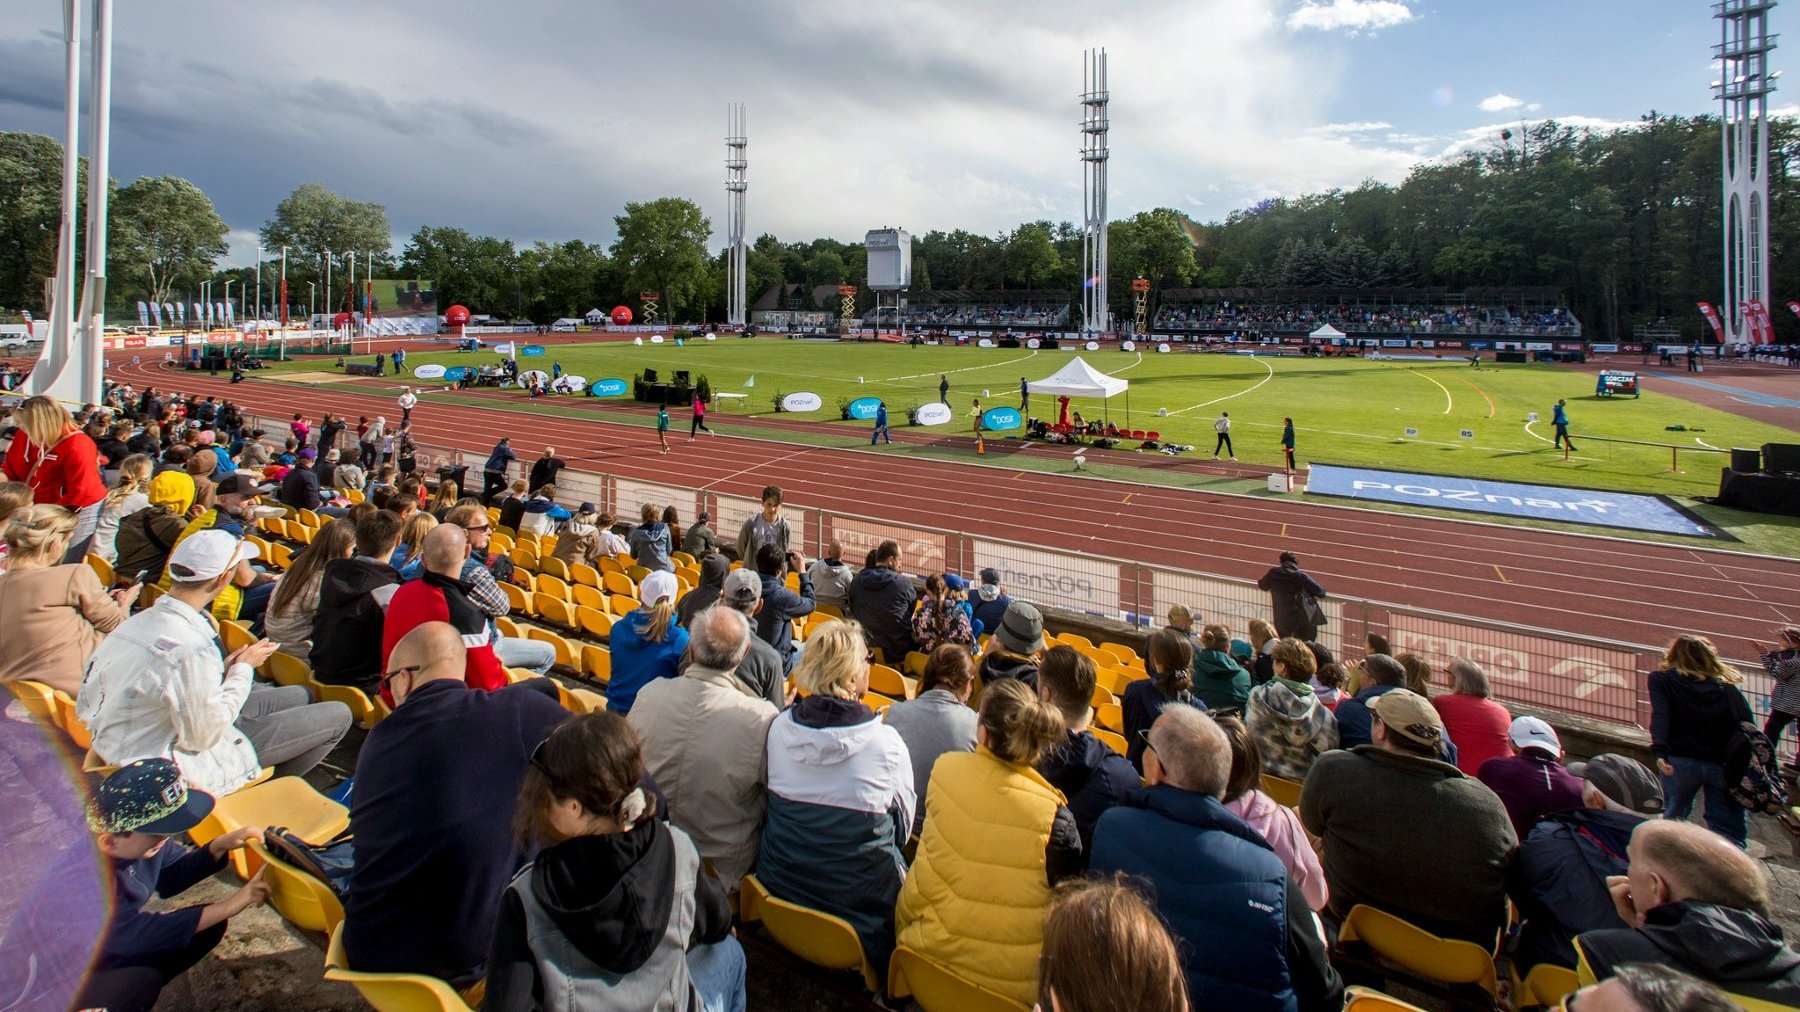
(662, 427)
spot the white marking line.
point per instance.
(757, 467)
(1227, 397)
(1706, 444)
(973, 368)
(1552, 442)
(1134, 365)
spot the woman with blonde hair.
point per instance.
(61, 464)
(130, 493)
(651, 543)
(1696, 710)
(997, 838)
(1418, 674)
(289, 620)
(55, 613)
(1105, 950)
(445, 498)
(646, 644)
(14, 496)
(840, 795)
(1262, 641)
(409, 555)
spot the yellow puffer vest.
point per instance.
(231, 598)
(975, 897)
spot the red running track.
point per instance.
(1637, 592)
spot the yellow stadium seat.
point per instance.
(506, 532)
(689, 574)
(683, 559)
(793, 582)
(349, 695)
(1074, 640)
(1100, 657)
(1418, 952)
(66, 719)
(1111, 717)
(526, 538)
(1102, 696)
(554, 566)
(876, 701)
(1282, 791)
(300, 899)
(915, 662)
(583, 575)
(281, 556)
(555, 586)
(889, 682)
(493, 514)
(615, 582)
(276, 526)
(286, 669)
(814, 621)
(815, 936)
(1113, 680)
(500, 543)
(527, 581)
(1546, 984)
(566, 655)
(1135, 668)
(392, 992)
(546, 544)
(308, 518)
(39, 699)
(1121, 653)
(1116, 742)
(524, 558)
(828, 609)
(517, 600)
(594, 621)
(282, 801)
(554, 610)
(101, 568)
(1363, 999)
(585, 700)
(354, 495)
(235, 635)
(622, 605)
(585, 596)
(507, 627)
(936, 989)
(596, 663)
(608, 564)
(378, 710)
(637, 573)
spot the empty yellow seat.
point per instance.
(584, 575)
(1282, 791)
(616, 582)
(392, 992)
(815, 936)
(554, 566)
(622, 605)
(555, 586)
(300, 899)
(915, 662)
(282, 801)
(286, 669)
(1111, 717)
(1419, 952)
(1102, 696)
(889, 682)
(585, 596)
(101, 568)
(566, 655)
(1116, 742)
(554, 610)
(596, 663)
(39, 699)
(936, 989)
(594, 621)
(516, 598)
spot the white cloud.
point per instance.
(1482, 137)
(1499, 102)
(1353, 15)
(1534, 107)
(1350, 128)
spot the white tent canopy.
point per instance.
(1326, 332)
(593, 315)
(1078, 379)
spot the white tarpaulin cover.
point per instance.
(1078, 379)
(1327, 331)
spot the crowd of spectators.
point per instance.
(1413, 320)
(987, 823)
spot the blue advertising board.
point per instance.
(1002, 419)
(457, 373)
(608, 388)
(531, 349)
(1505, 498)
(863, 408)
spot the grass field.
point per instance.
(1346, 411)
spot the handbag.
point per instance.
(1309, 606)
(1752, 776)
(330, 862)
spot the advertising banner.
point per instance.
(1504, 498)
(863, 408)
(1712, 320)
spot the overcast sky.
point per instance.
(538, 119)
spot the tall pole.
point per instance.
(1094, 155)
(1743, 89)
(284, 290)
(62, 299)
(330, 310)
(369, 299)
(736, 185)
(228, 283)
(259, 308)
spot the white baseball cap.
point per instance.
(205, 554)
(657, 586)
(1530, 732)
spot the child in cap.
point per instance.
(133, 814)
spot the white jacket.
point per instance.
(158, 687)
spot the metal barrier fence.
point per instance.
(1595, 678)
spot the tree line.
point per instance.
(1624, 222)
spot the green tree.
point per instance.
(662, 246)
(30, 215)
(1031, 257)
(481, 272)
(315, 223)
(164, 234)
(564, 278)
(826, 267)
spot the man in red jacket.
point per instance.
(438, 596)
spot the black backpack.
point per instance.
(329, 862)
(1752, 773)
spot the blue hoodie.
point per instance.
(636, 661)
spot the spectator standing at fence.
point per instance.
(1222, 426)
(766, 527)
(1287, 442)
(1782, 662)
(493, 473)
(1696, 709)
(368, 440)
(1293, 597)
(544, 469)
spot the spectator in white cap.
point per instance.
(1531, 782)
(646, 644)
(157, 686)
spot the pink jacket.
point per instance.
(1281, 827)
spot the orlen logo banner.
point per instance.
(935, 413)
(864, 408)
(1001, 419)
(608, 388)
(801, 403)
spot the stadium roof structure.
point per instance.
(1078, 379)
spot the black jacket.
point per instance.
(1558, 882)
(346, 646)
(882, 600)
(145, 540)
(611, 897)
(1736, 950)
(1004, 664)
(1693, 719)
(1092, 776)
(1286, 584)
(300, 489)
(544, 472)
(713, 569)
(512, 510)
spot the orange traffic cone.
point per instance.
(980, 447)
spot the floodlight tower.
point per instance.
(736, 141)
(1094, 154)
(1743, 88)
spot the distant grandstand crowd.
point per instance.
(1203, 310)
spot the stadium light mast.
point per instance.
(1094, 154)
(736, 141)
(1743, 89)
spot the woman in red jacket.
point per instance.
(62, 466)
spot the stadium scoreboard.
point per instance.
(1614, 381)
